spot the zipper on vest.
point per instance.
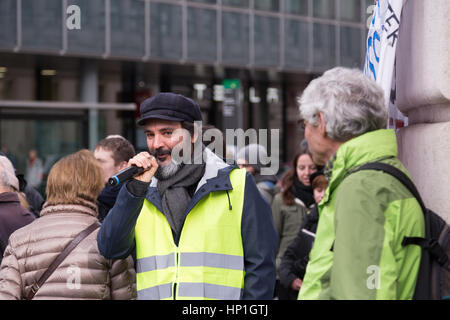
(229, 201)
(177, 267)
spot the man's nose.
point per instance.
(158, 141)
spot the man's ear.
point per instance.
(322, 124)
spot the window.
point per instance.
(296, 7)
(41, 24)
(351, 55)
(204, 1)
(267, 40)
(235, 37)
(40, 134)
(236, 3)
(91, 37)
(324, 9)
(8, 17)
(202, 34)
(165, 31)
(268, 5)
(350, 10)
(127, 28)
(324, 46)
(296, 44)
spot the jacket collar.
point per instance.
(86, 207)
(9, 197)
(371, 146)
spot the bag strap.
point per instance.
(396, 173)
(431, 245)
(60, 258)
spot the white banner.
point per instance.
(380, 55)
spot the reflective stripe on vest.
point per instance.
(191, 259)
(209, 291)
(191, 290)
(208, 262)
(209, 259)
(155, 262)
(160, 292)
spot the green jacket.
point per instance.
(357, 253)
(287, 220)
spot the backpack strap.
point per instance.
(431, 245)
(396, 173)
(83, 234)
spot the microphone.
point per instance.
(125, 175)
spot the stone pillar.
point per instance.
(423, 94)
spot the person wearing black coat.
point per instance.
(34, 198)
(295, 259)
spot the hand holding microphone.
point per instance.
(141, 167)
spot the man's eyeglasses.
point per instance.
(301, 123)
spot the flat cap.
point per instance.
(169, 106)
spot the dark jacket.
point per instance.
(12, 217)
(34, 198)
(260, 240)
(107, 199)
(268, 187)
(296, 257)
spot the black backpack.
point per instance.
(433, 280)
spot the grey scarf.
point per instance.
(175, 195)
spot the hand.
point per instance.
(144, 160)
(296, 284)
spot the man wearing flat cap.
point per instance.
(200, 228)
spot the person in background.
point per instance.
(73, 185)
(296, 257)
(13, 215)
(289, 207)
(113, 154)
(266, 184)
(35, 170)
(365, 215)
(33, 199)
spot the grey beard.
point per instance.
(167, 171)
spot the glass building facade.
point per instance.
(141, 47)
(292, 35)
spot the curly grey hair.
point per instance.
(351, 103)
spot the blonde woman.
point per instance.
(73, 185)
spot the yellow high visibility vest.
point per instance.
(208, 262)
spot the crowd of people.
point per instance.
(213, 230)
